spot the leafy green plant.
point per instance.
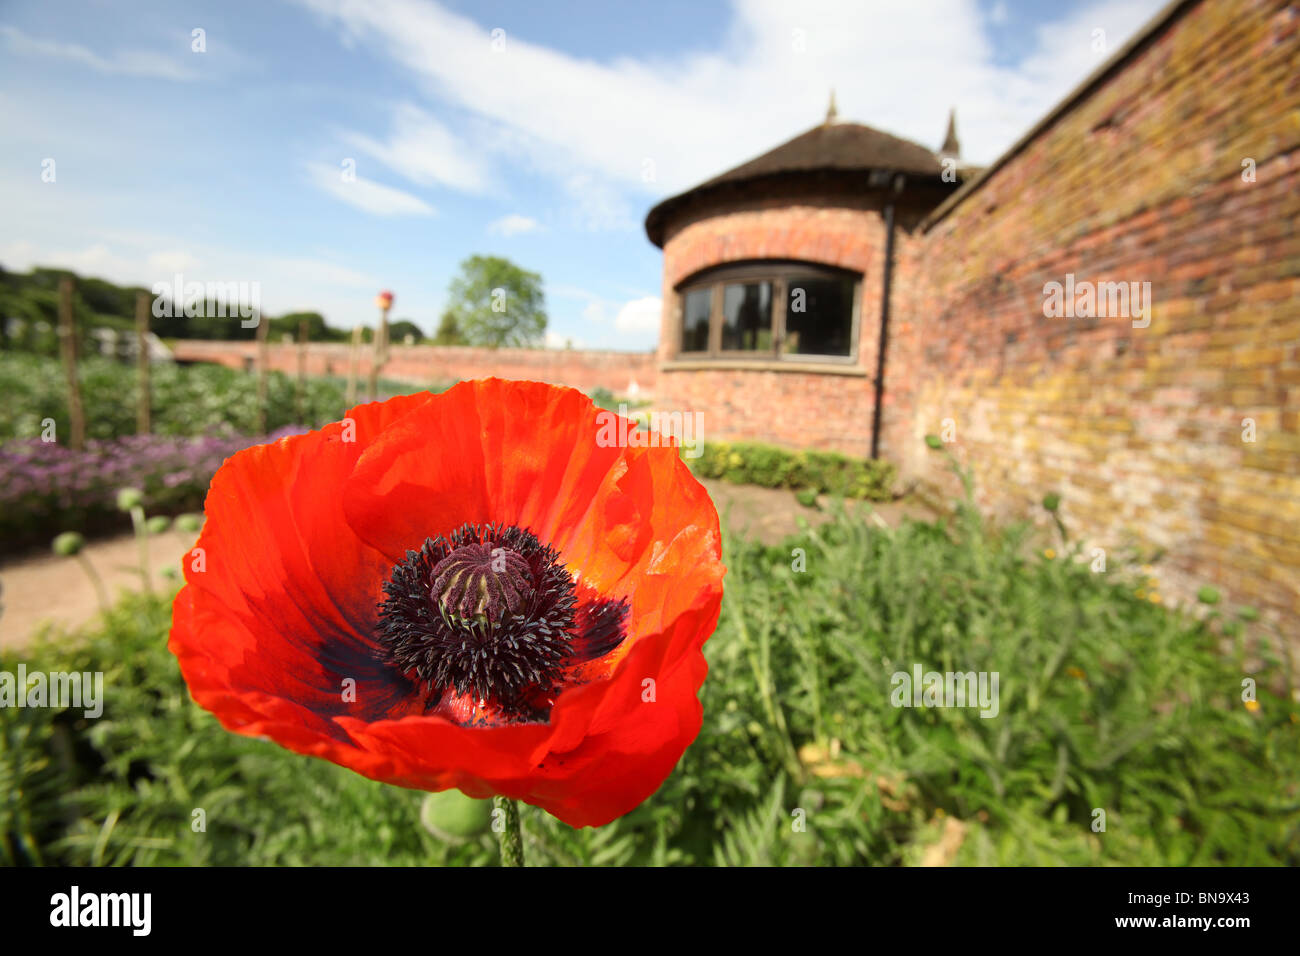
(1107, 702)
(821, 472)
(186, 400)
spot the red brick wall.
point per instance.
(1140, 430)
(429, 364)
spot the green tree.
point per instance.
(495, 303)
(317, 330)
(449, 332)
(399, 330)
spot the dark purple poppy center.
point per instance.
(481, 582)
(491, 613)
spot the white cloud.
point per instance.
(424, 151)
(513, 225)
(898, 67)
(364, 194)
(640, 315)
(595, 204)
(122, 63)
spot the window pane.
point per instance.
(819, 317)
(747, 317)
(695, 321)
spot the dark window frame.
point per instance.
(779, 273)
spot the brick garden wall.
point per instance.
(440, 365)
(1140, 430)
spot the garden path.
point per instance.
(53, 589)
(50, 589)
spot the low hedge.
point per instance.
(825, 472)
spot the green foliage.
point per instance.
(449, 332)
(291, 325)
(399, 330)
(187, 400)
(1106, 702)
(494, 303)
(821, 472)
(32, 299)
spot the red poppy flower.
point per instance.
(464, 590)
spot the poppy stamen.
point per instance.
(489, 612)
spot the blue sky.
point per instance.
(546, 142)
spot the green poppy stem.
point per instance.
(96, 580)
(142, 539)
(512, 842)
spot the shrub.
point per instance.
(823, 472)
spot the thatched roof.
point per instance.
(829, 147)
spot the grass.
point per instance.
(1107, 702)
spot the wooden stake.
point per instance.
(354, 355)
(68, 348)
(143, 409)
(263, 325)
(380, 355)
(300, 392)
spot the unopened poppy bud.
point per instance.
(453, 817)
(68, 544)
(188, 523)
(158, 524)
(129, 498)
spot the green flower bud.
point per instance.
(934, 441)
(158, 524)
(68, 544)
(454, 817)
(1248, 613)
(1052, 501)
(189, 523)
(1207, 595)
(129, 498)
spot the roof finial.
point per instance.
(831, 113)
(950, 145)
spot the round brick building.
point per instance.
(775, 277)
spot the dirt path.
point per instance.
(772, 514)
(56, 590)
